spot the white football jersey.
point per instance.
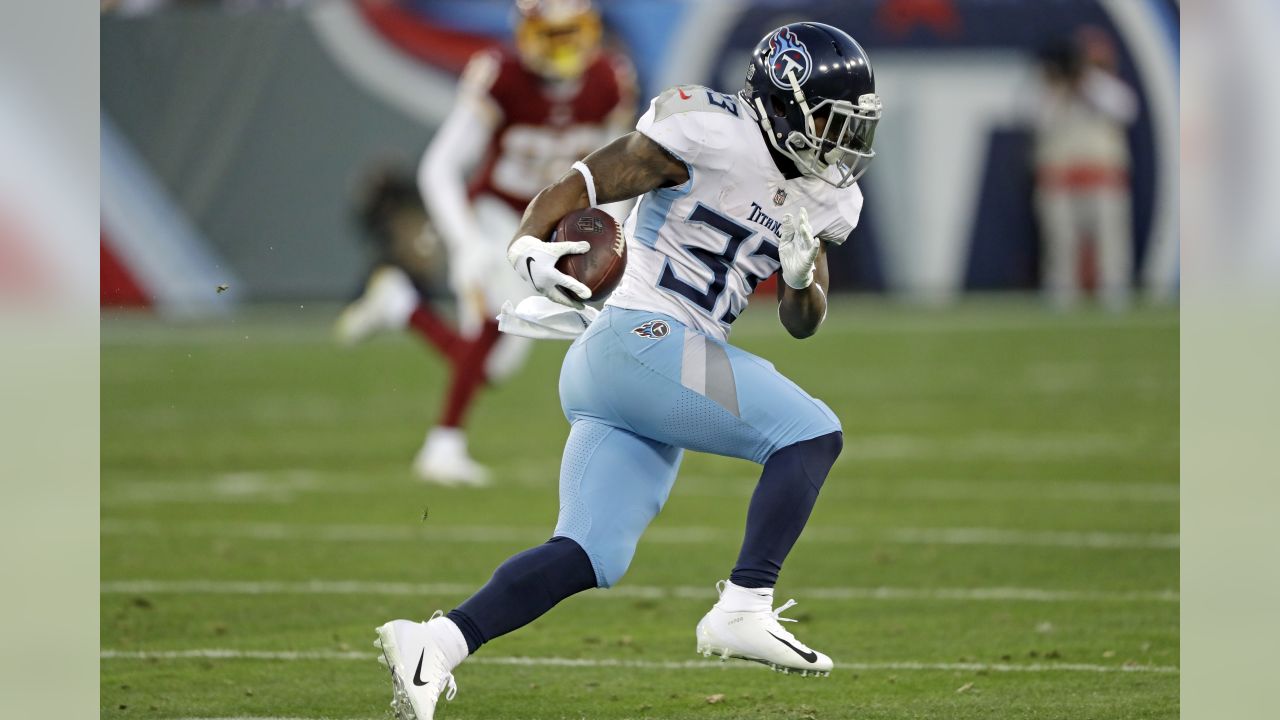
(697, 251)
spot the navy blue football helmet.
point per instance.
(815, 93)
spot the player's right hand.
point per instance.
(535, 261)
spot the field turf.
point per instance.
(998, 540)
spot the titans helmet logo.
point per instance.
(786, 55)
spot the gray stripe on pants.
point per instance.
(693, 363)
(719, 378)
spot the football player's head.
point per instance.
(814, 90)
(557, 39)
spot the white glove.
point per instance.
(798, 250)
(535, 261)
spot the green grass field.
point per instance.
(998, 540)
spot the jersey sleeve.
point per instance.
(693, 123)
(848, 210)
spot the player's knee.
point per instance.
(826, 448)
(611, 560)
(832, 444)
(813, 458)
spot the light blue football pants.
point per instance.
(639, 387)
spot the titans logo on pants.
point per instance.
(654, 330)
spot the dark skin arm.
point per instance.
(628, 167)
(802, 311)
(631, 166)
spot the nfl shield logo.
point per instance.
(780, 197)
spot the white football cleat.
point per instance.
(421, 657)
(388, 300)
(743, 625)
(443, 460)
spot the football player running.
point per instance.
(521, 117)
(733, 189)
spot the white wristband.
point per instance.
(590, 181)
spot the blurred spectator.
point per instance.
(1082, 169)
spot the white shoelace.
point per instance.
(450, 687)
(777, 614)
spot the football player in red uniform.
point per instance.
(522, 115)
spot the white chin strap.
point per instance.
(786, 148)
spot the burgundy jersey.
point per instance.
(543, 126)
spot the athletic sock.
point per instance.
(452, 641)
(736, 598)
(468, 375)
(436, 331)
(780, 507)
(522, 589)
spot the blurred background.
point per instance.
(1026, 145)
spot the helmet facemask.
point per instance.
(845, 140)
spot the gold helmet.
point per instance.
(557, 39)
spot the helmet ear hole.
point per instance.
(777, 106)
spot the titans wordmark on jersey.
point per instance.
(698, 250)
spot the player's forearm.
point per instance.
(558, 199)
(628, 167)
(802, 311)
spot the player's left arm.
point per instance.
(802, 293)
(802, 311)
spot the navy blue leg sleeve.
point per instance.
(780, 507)
(522, 589)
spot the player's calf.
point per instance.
(780, 507)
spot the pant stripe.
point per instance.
(719, 378)
(705, 369)
(693, 364)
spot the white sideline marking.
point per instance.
(339, 655)
(624, 592)
(659, 535)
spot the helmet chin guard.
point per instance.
(813, 89)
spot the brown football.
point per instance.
(600, 268)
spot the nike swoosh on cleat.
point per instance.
(810, 656)
(528, 268)
(417, 674)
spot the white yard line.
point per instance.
(624, 592)
(339, 655)
(678, 535)
(939, 490)
(994, 536)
